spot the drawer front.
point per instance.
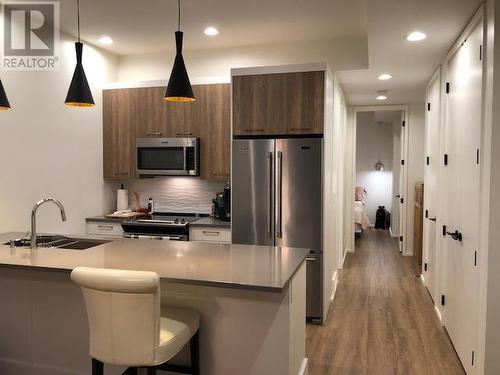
(104, 229)
(210, 234)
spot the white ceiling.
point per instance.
(139, 27)
(411, 64)
(148, 25)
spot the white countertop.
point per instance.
(265, 268)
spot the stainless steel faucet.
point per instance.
(33, 217)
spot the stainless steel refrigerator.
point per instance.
(277, 200)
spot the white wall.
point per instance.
(333, 184)
(378, 184)
(50, 150)
(214, 65)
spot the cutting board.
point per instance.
(126, 215)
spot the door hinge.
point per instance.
(402, 200)
(445, 159)
(477, 156)
(400, 238)
(447, 87)
(403, 124)
(425, 266)
(443, 299)
(444, 230)
(426, 214)
(475, 258)
(480, 52)
(428, 160)
(429, 106)
(472, 362)
(402, 162)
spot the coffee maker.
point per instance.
(222, 209)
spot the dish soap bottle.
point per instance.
(151, 206)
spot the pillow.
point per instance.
(359, 194)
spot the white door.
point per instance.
(463, 137)
(432, 164)
(403, 171)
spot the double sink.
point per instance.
(57, 242)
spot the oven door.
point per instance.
(168, 156)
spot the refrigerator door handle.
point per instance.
(270, 218)
(279, 231)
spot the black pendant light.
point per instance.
(4, 102)
(379, 166)
(179, 88)
(79, 94)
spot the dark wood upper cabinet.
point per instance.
(141, 113)
(279, 104)
(119, 119)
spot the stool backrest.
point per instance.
(123, 309)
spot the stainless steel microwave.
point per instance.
(168, 156)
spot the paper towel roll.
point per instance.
(121, 199)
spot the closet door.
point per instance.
(403, 176)
(432, 165)
(463, 137)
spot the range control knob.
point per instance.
(176, 221)
(183, 221)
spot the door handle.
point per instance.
(432, 219)
(457, 236)
(279, 233)
(398, 196)
(270, 219)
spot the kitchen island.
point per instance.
(251, 300)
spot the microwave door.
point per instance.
(168, 157)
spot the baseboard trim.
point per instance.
(438, 313)
(304, 368)
(335, 282)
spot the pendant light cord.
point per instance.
(78, 18)
(179, 15)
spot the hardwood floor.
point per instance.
(382, 321)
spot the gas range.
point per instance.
(161, 226)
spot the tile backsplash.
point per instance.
(175, 194)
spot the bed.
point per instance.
(361, 221)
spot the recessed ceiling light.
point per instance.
(382, 95)
(416, 36)
(384, 77)
(211, 31)
(105, 40)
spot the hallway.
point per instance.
(382, 321)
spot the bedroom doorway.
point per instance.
(380, 172)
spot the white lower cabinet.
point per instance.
(99, 228)
(210, 234)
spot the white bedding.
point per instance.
(359, 215)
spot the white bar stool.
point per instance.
(126, 327)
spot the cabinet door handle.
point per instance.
(183, 134)
(259, 130)
(153, 134)
(105, 227)
(299, 129)
(211, 232)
